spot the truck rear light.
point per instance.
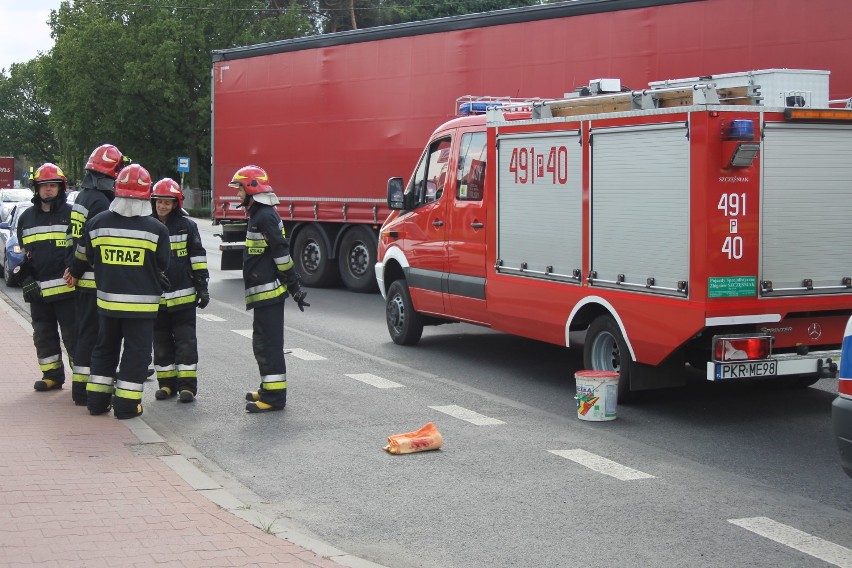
(742, 348)
(739, 129)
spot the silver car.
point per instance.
(11, 197)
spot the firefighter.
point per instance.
(96, 194)
(42, 232)
(129, 252)
(175, 341)
(268, 276)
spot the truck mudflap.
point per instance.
(820, 363)
(232, 255)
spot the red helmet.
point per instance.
(167, 188)
(49, 173)
(253, 179)
(134, 182)
(106, 159)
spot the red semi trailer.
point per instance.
(332, 117)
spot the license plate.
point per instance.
(746, 370)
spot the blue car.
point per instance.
(11, 253)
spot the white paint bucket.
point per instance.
(597, 395)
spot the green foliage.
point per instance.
(24, 127)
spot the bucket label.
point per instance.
(586, 399)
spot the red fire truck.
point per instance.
(701, 220)
(332, 117)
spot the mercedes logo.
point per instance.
(814, 331)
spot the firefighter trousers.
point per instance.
(176, 350)
(86, 312)
(131, 359)
(267, 341)
(47, 317)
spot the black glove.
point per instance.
(164, 281)
(202, 298)
(298, 296)
(32, 293)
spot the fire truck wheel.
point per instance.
(404, 323)
(606, 350)
(311, 257)
(356, 260)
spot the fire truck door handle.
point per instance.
(477, 225)
(438, 223)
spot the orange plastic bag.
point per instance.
(427, 438)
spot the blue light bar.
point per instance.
(480, 107)
(740, 129)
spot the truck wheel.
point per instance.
(312, 259)
(404, 323)
(357, 259)
(606, 350)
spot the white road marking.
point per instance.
(467, 415)
(296, 352)
(210, 317)
(304, 355)
(375, 381)
(794, 538)
(602, 465)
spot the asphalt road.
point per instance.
(706, 475)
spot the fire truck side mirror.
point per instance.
(396, 194)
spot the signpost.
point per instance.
(183, 167)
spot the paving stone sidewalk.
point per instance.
(76, 491)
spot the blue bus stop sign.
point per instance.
(183, 164)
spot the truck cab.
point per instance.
(438, 218)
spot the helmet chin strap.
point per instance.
(246, 202)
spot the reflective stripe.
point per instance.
(283, 263)
(86, 283)
(123, 235)
(80, 212)
(198, 262)
(274, 382)
(80, 374)
(178, 239)
(187, 294)
(128, 307)
(50, 233)
(54, 287)
(127, 385)
(122, 393)
(100, 383)
(260, 296)
(159, 368)
(262, 288)
(187, 371)
(128, 298)
(50, 363)
(80, 252)
(254, 236)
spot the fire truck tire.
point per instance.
(404, 323)
(312, 259)
(356, 260)
(606, 350)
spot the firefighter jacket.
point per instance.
(187, 272)
(42, 235)
(128, 255)
(267, 265)
(93, 198)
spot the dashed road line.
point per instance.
(210, 317)
(375, 381)
(602, 465)
(467, 415)
(243, 332)
(794, 538)
(305, 354)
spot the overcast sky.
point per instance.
(23, 30)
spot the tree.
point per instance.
(138, 75)
(24, 124)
